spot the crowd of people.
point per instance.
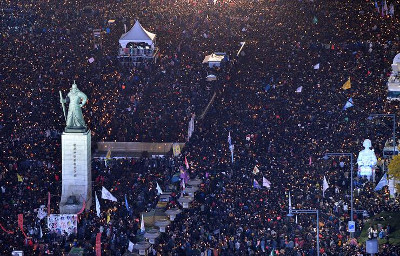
(274, 126)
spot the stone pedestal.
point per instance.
(172, 213)
(76, 171)
(185, 201)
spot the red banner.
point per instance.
(5, 230)
(83, 208)
(48, 203)
(21, 223)
(98, 244)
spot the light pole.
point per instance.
(294, 211)
(394, 127)
(351, 186)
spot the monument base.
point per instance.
(76, 171)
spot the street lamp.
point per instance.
(327, 155)
(295, 211)
(394, 127)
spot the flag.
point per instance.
(19, 177)
(347, 85)
(108, 216)
(183, 174)
(267, 87)
(255, 184)
(183, 184)
(315, 20)
(130, 246)
(383, 182)
(299, 89)
(127, 205)
(290, 204)
(310, 161)
(391, 10)
(229, 139)
(325, 186)
(266, 183)
(186, 163)
(316, 66)
(108, 155)
(48, 203)
(176, 149)
(255, 170)
(142, 228)
(348, 104)
(159, 190)
(231, 147)
(98, 244)
(377, 6)
(105, 194)
(91, 60)
(97, 205)
(385, 7)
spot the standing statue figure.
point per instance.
(74, 119)
(366, 160)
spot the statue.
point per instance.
(74, 119)
(366, 159)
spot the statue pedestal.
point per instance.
(76, 172)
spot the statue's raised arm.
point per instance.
(75, 121)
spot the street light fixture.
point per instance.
(327, 155)
(394, 127)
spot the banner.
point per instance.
(62, 223)
(21, 223)
(98, 244)
(5, 230)
(176, 149)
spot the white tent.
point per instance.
(137, 34)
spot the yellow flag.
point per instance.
(19, 178)
(346, 85)
(176, 149)
(108, 217)
(108, 156)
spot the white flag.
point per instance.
(325, 186)
(142, 228)
(316, 66)
(105, 194)
(91, 60)
(299, 89)
(159, 190)
(97, 205)
(130, 246)
(255, 170)
(266, 183)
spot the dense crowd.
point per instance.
(46, 45)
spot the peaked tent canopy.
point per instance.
(137, 34)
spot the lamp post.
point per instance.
(394, 127)
(351, 186)
(297, 211)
